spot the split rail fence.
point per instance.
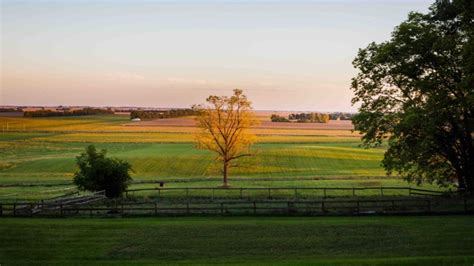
(239, 207)
(276, 192)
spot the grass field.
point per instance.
(41, 151)
(37, 161)
(250, 241)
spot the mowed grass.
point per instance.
(427, 240)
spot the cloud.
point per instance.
(127, 76)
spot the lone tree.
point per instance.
(416, 90)
(224, 124)
(97, 172)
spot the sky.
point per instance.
(285, 55)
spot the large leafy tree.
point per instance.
(97, 172)
(416, 90)
(224, 124)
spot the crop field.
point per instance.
(38, 155)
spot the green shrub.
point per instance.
(97, 172)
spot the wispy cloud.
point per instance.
(127, 76)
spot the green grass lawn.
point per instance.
(426, 240)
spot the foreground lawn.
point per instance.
(283, 241)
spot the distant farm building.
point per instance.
(136, 119)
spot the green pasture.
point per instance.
(427, 240)
(43, 162)
(208, 188)
(36, 164)
(44, 155)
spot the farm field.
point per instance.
(38, 156)
(427, 240)
(237, 133)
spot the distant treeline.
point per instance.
(8, 110)
(85, 111)
(161, 114)
(302, 118)
(277, 118)
(312, 117)
(309, 117)
(341, 116)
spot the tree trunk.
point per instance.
(225, 170)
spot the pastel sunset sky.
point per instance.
(285, 55)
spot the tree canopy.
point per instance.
(416, 90)
(224, 124)
(97, 172)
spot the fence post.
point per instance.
(324, 189)
(409, 191)
(296, 193)
(61, 209)
(31, 209)
(156, 208)
(465, 204)
(254, 208)
(159, 193)
(322, 206)
(269, 196)
(353, 192)
(14, 209)
(241, 196)
(222, 208)
(187, 207)
(381, 191)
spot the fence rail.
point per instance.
(261, 207)
(278, 192)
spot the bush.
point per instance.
(97, 172)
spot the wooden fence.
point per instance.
(239, 207)
(52, 204)
(276, 192)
